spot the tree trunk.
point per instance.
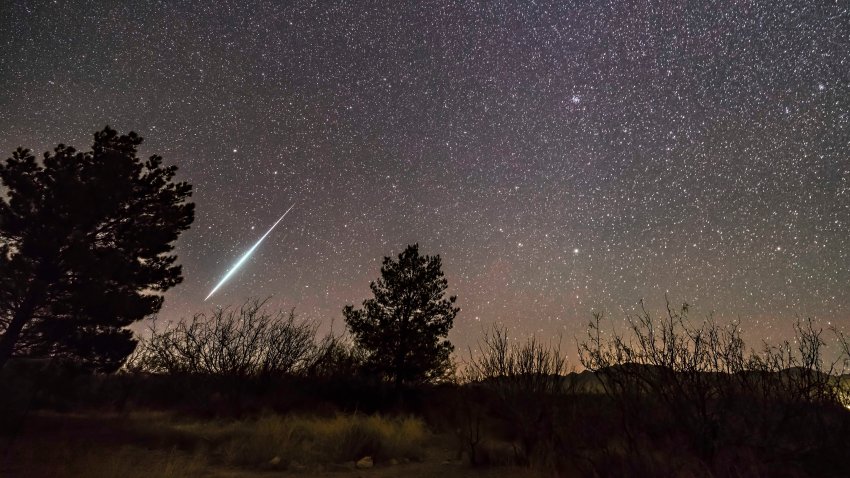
(10, 337)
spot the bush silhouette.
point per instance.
(235, 343)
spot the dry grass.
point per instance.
(134, 462)
(294, 439)
(66, 451)
(164, 445)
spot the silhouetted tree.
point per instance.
(403, 328)
(84, 248)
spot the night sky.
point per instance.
(562, 157)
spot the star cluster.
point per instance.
(561, 156)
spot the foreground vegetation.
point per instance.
(241, 395)
(161, 444)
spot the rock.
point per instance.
(393, 462)
(274, 461)
(365, 462)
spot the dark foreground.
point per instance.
(622, 422)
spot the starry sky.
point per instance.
(562, 157)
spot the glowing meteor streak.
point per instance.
(246, 255)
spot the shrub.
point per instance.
(692, 389)
(527, 381)
(237, 343)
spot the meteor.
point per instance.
(246, 255)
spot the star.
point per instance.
(720, 177)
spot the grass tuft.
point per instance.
(294, 439)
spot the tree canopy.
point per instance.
(403, 328)
(85, 248)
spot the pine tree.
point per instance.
(85, 239)
(403, 328)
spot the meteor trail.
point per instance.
(246, 255)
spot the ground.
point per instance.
(70, 445)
